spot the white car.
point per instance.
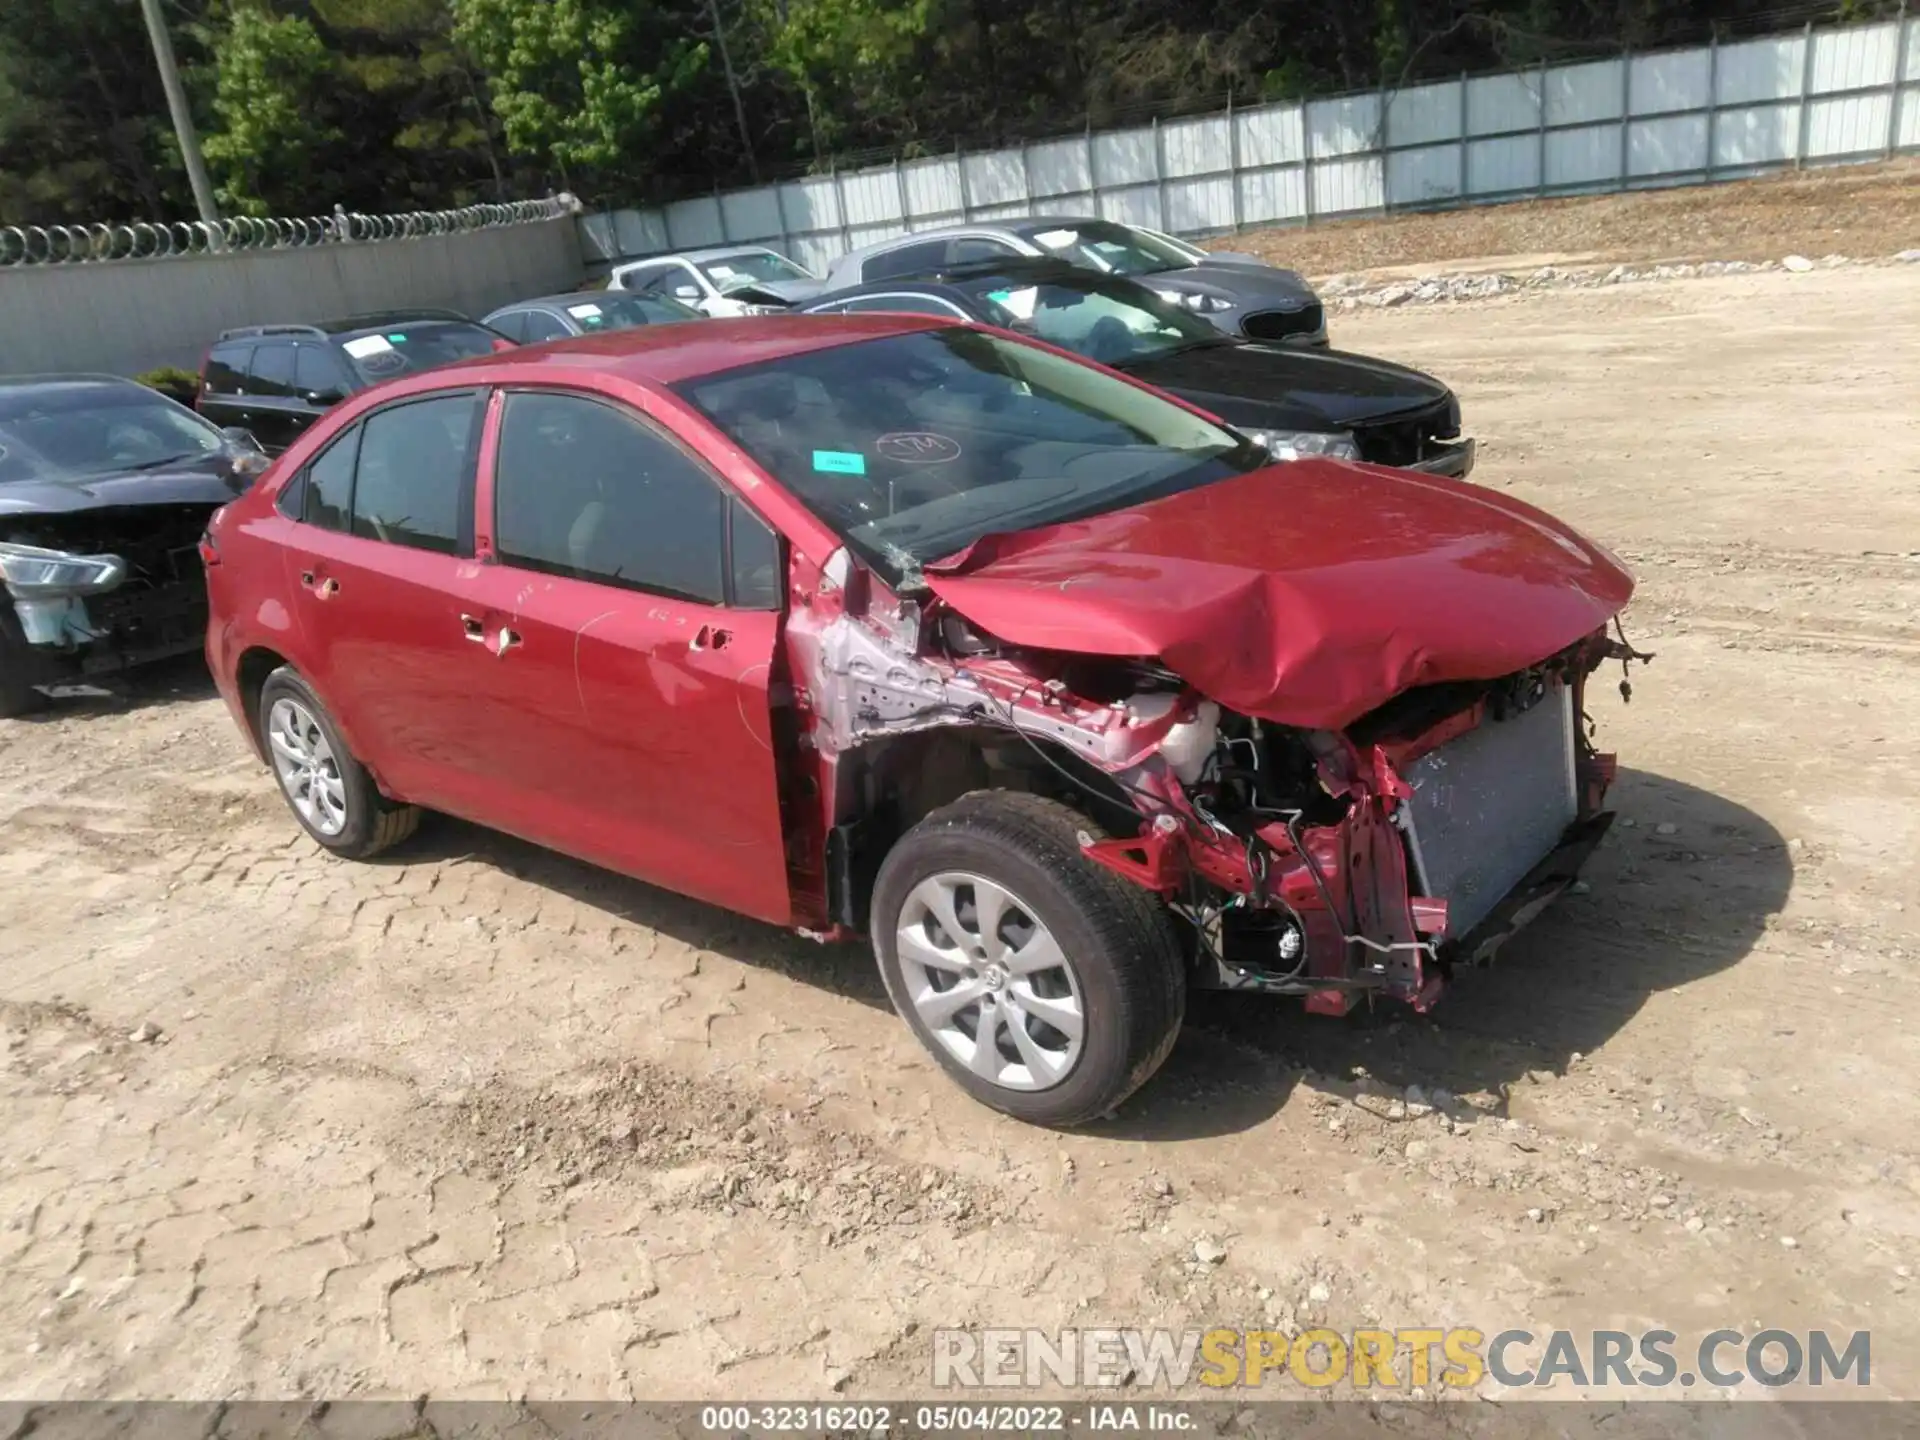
(741, 280)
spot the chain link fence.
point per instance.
(22, 245)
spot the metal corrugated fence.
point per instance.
(1712, 112)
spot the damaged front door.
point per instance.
(623, 663)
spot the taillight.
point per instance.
(209, 548)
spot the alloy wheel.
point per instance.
(990, 982)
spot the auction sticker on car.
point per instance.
(918, 447)
(839, 462)
(367, 345)
(584, 312)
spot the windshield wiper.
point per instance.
(169, 460)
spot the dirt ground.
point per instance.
(1861, 210)
(482, 1121)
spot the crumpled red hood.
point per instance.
(1305, 593)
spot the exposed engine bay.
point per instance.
(1330, 864)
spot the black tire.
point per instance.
(17, 695)
(373, 822)
(1118, 938)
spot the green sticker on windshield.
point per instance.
(397, 339)
(839, 462)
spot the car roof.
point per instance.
(342, 328)
(712, 252)
(669, 354)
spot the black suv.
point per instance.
(276, 380)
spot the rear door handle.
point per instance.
(474, 628)
(325, 587)
(505, 641)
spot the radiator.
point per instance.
(1489, 806)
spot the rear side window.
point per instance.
(513, 326)
(227, 369)
(328, 502)
(413, 483)
(903, 305)
(970, 248)
(586, 490)
(272, 369)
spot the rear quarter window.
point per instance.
(226, 369)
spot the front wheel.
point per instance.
(1046, 985)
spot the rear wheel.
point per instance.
(1046, 985)
(331, 794)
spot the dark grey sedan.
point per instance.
(1236, 293)
(527, 322)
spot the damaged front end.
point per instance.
(98, 590)
(1329, 863)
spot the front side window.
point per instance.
(273, 365)
(916, 259)
(913, 446)
(317, 374)
(1109, 321)
(414, 477)
(542, 326)
(587, 490)
(615, 311)
(903, 304)
(1112, 249)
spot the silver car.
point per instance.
(584, 312)
(736, 280)
(1237, 293)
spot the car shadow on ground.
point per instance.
(180, 680)
(843, 969)
(1664, 907)
(1681, 890)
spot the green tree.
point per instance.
(272, 79)
(577, 83)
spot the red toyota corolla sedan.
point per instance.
(1059, 690)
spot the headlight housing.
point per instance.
(32, 572)
(754, 308)
(1198, 303)
(1299, 444)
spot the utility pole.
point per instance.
(182, 119)
(733, 87)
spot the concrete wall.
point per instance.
(125, 316)
(1712, 112)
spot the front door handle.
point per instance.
(711, 637)
(474, 628)
(323, 586)
(505, 641)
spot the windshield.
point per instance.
(914, 446)
(750, 267)
(407, 347)
(97, 430)
(1109, 321)
(1113, 249)
(615, 311)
